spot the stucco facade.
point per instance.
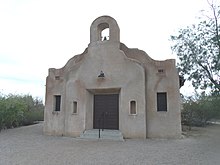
(77, 95)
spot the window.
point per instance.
(160, 71)
(133, 110)
(74, 107)
(162, 101)
(57, 99)
(57, 77)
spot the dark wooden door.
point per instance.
(106, 113)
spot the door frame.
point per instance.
(101, 122)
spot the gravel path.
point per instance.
(28, 146)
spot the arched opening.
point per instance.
(104, 31)
(133, 109)
(105, 34)
(75, 107)
(112, 31)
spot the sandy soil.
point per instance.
(28, 146)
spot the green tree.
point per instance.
(198, 49)
(17, 110)
(200, 109)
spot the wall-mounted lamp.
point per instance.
(101, 74)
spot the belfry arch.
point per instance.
(102, 23)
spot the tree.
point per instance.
(200, 109)
(17, 110)
(198, 49)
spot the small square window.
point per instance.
(160, 71)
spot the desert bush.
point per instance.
(198, 111)
(17, 110)
(32, 117)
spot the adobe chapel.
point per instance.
(113, 87)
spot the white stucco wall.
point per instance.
(131, 73)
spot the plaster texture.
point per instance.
(131, 73)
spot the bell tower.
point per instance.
(101, 24)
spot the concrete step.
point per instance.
(105, 134)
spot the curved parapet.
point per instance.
(144, 58)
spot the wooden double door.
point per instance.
(106, 111)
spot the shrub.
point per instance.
(197, 112)
(33, 116)
(16, 110)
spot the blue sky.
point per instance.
(36, 35)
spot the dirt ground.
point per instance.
(28, 146)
